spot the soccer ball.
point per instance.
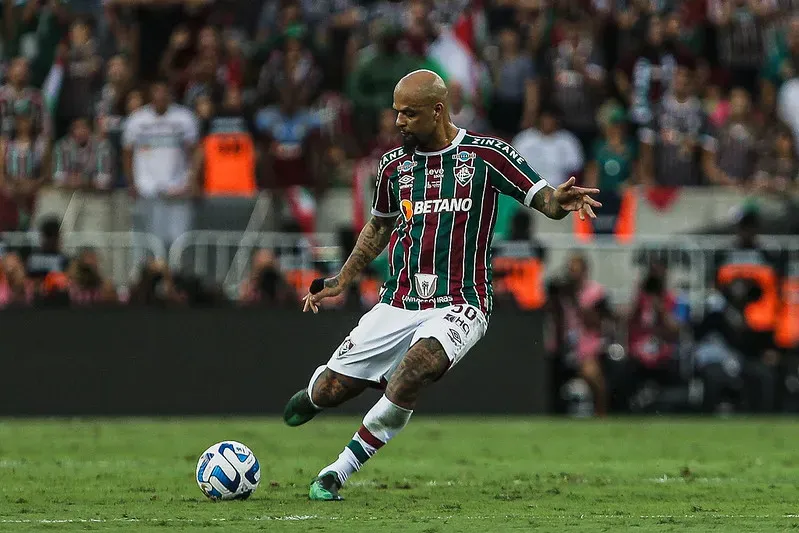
(228, 470)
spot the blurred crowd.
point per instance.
(653, 354)
(229, 97)
(179, 100)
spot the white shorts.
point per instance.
(384, 335)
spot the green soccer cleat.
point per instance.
(325, 488)
(299, 409)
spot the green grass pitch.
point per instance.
(439, 474)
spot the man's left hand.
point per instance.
(572, 198)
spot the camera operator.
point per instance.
(87, 286)
(736, 338)
(653, 333)
(266, 285)
(580, 323)
(154, 285)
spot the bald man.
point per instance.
(435, 202)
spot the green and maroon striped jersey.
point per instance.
(440, 250)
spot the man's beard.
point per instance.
(409, 143)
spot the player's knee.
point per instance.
(423, 364)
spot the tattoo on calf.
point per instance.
(424, 363)
(331, 388)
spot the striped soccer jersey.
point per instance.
(440, 250)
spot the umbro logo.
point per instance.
(405, 181)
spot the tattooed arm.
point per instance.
(557, 203)
(544, 202)
(373, 239)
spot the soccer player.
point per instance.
(435, 208)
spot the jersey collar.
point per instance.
(455, 142)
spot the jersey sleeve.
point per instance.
(516, 178)
(385, 203)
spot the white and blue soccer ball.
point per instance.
(228, 470)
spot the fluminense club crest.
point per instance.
(464, 167)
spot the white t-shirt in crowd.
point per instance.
(788, 107)
(556, 157)
(161, 147)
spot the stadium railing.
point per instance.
(224, 256)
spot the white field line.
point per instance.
(355, 518)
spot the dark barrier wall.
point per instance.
(158, 362)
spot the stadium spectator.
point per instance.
(748, 278)
(48, 257)
(555, 151)
(370, 85)
(204, 107)
(235, 63)
(155, 24)
(614, 156)
(716, 355)
(279, 17)
(788, 107)
(190, 291)
(465, 113)
(83, 160)
(291, 136)
(226, 156)
(23, 168)
(154, 284)
(740, 30)
(580, 316)
(515, 103)
(782, 64)
(644, 76)
(203, 80)
(110, 109)
(87, 286)
(577, 79)
(15, 94)
(15, 288)
(631, 18)
(133, 101)
(677, 147)
(737, 142)
(778, 166)
(176, 60)
(653, 333)
(265, 285)
(290, 67)
(158, 141)
(38, 28)
(716, 98)
(388, 135)
(420, 28)
(82, 74)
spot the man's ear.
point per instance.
(438, 109)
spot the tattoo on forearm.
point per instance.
(544, 201)
(373, 239)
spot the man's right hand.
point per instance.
(331, 287)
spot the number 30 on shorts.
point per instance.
(470, 312)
